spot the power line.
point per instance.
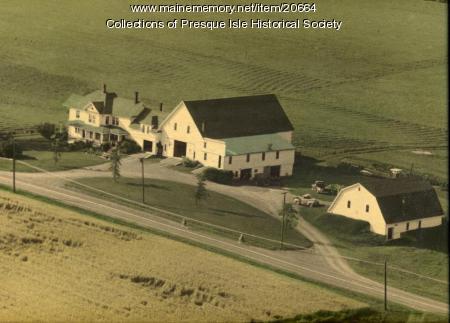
(325, 255)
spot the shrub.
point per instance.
(106, 146)
(189, 162)
(46, 130)
(129, 147)
(7, 148)
(218, 175)
(79, 145)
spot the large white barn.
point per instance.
(390, 206)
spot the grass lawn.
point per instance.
(44, 159)
(426, 255)
(218, 209)
(379, 84)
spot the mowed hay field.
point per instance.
(377, 85)
(58, 265)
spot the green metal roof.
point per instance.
(107, 103)
(255, 144)
(103, 130)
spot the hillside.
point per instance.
(374, 90)
(59, 265)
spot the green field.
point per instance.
(425, 255)
(218, 209)
(374, 90)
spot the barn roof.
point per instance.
(404, 199)
(239, 116)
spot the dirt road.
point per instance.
(321, 264)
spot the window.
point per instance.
(263, 156)
(97, 136)
(91, 134)
(204, 144)
(205, 156)
(148, 129)
(143, 128)
(407, 226)
(219, 163)
(349, 204)
(175, 126)
(194, 155)
(107, 120)
(256, 170)
(230, 160)
(188, 130)
(420, 225)
(277, 155)
(367, 208)
(77, 113)
(236, 174)
(248, 158)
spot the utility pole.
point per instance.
(143, 180)
(282, 224)
(385, 285)
(14, 163)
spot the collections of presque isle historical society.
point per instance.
(230, 9)
(221, 24)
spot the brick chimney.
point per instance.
(160, 107)
(136, 97)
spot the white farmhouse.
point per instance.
(390, 206)
(247, 135)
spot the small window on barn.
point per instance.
(420, 224)
(349, 204)
(188, 130)
(230, 160)
(277, 155)
(175, 126)
(204, 144)
(77, 114)
(263, 156)
(407, 226)
(219, 163)
(194, 155)
(248, 158)
(367, 208)
(205, 156)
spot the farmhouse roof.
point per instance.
(106, 103)
(404, 199)
(256, 144)
(239, 116)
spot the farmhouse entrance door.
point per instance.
(390, 233)
(246, 173)
(275, 171)
(148, 145)
(179, 149)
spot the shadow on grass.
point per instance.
(226, 212)
(146, 185)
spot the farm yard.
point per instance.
(370, 93)
(54, 262)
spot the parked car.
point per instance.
(306, 200)
(320, 187)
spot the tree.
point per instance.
(7, 149)
(290, 216)
(115, 163)
(46, 130)
(200, 193)
(56, 147)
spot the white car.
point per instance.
(306, 200)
